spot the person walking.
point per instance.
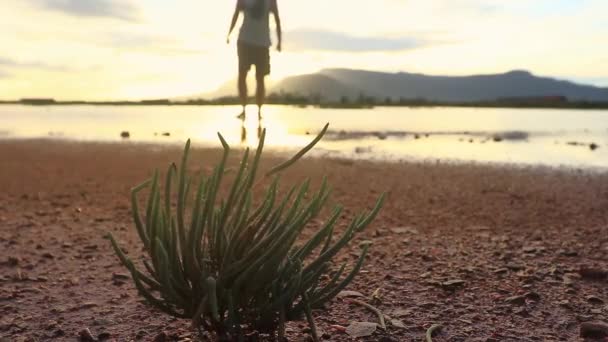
(253, 45)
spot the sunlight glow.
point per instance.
(166, 49)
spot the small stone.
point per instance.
(366, 243)
(401, 312)
(521, 312)
(125, 134)
(120, 276)
(161, 337)
(501, 271)
(13, 261)
(594, 330)
(565, 304)
(104, 336)
(593, 146)
(453, 284)
(344, 294)
(387, 339)
(595, 300)
(533, 296)
(515, 267)
(516, 300)
(86, 336)
(593, 273)
(569, 253)
(397, 323)
(88, 305)
(361, 329)
(404, 230)
(48, 255)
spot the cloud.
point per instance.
(120, 9)
(10, 63)
(149, 43)
(4, 74)
(334, 41)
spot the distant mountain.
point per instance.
(439, 88)
(332, 84)
(326, 86)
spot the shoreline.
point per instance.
(501, 232)
(567, 106)
(318, 153)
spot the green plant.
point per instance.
(235, 264)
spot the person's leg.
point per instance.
(243, 90)
(244, 65)
(262, 69)
(260, 93)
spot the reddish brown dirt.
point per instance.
(502, 231)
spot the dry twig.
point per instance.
(372, 308)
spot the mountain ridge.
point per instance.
(333, 84)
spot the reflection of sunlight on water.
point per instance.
(528, 136)
(247, 132)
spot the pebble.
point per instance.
(387, 339)
(161, 337)
(104, 336)
(405, 230)
(594, 330)
(48, 255)
(593, 273)
(595, 300)
(516, 300)
(533, 296)
(86, 336)
(13, 261)
(349, 294)
(515, 267)
(361, 329)
(453, 284)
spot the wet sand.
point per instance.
(491, 253)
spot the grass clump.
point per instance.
(233, 264)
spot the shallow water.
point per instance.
(523, 136)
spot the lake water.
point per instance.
(522, 136)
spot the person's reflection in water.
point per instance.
(244, 130)
(259, 128)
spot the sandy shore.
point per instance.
(516, 238)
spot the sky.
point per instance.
(142, 49)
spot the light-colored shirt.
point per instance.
(256, 30)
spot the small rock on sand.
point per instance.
(404, 230)
(593, 273)
(85, 335)
(161, 337)
(594, 330)
(516, 300)
(361, 329)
